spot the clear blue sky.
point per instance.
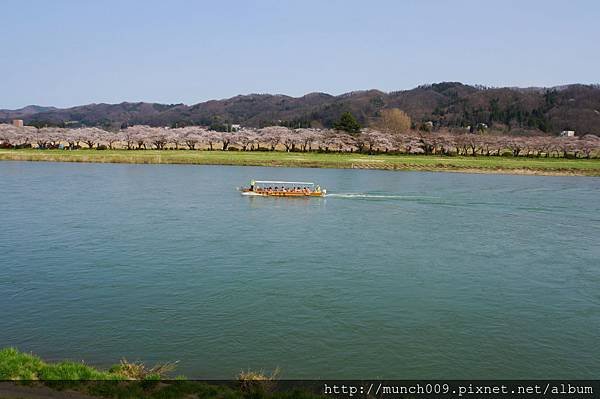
(66, 53)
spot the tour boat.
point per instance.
(267, 188)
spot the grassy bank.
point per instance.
(33, 377)
(15, 365)
(480, 164)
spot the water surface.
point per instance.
(394, 275)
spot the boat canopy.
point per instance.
(296, 183)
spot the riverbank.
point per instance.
(481, 164)
(24, 375)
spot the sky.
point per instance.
(66, 53)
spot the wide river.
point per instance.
(392, 275)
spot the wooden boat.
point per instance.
(268, 188)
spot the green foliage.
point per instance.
(221, 127)
(293, 124)
(424, 127)
(71, 371)
(347, 123)
(15, 365)
(311, 159)
(377, 102)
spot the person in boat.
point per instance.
(252, 183)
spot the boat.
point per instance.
(269, 188)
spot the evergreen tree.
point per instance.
(347, 123)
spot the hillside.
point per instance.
(448, 104)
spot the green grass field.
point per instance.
(479, 164)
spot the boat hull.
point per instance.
(281, 194)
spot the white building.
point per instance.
(567, 133)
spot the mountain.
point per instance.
(448, 104)
(20, 113)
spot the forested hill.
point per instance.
(449, 104)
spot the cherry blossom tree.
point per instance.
(192, 136)
(589, 144)
(158, 136)
(516, 145)
(338, 141)
(244, 137)
(92, 136)
(248, 139)
(138, 135)
(8, 136)
(289, 139)
(226, 138)
(409, 143)
(211, 137)
(129, 136)
(272, 135)
(111, 138)
(374, 140)
(176, 137)
(306, 138)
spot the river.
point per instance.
(392, 275)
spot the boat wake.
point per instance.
(380, 196)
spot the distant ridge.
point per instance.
(25, 111)
(446, 104)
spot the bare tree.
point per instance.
(393, 121)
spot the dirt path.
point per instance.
(14, 390)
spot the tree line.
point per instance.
(392, 133)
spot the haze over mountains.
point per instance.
(447, 104)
